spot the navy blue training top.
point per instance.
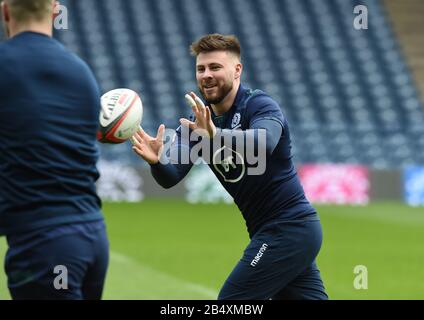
(274, 194)
(49, 108)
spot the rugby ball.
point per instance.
(120, 116)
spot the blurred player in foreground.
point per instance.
(49, 209)
(285, 230)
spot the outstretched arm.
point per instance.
(169, 175)
(271, 129)
(203, 125)
(166, 171)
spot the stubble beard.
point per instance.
(221, 94)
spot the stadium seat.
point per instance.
(348, 94)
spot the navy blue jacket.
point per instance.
(49, 108)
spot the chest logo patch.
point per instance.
(235, 123)
(229, 164)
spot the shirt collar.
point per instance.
(240, 96)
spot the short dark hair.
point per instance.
(24, 10)
(216, 42)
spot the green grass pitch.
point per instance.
(168, 249)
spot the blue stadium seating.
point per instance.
(348, 94)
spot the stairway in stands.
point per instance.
(407, 18)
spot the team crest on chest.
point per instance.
(235, 123)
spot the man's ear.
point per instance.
(56, 7)
(239, 70)
(5, 17)
(5, 12)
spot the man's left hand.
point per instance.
(203, 124)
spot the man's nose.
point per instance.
(207, 74)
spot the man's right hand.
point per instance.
(147, 147)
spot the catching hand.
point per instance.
(147, 147)
(203, 125)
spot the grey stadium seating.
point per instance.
(348, 94)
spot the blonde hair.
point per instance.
(216, 42)
(25, 10)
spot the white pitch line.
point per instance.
(184, 285)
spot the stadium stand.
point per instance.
(348, 94)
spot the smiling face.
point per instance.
(217, 74)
